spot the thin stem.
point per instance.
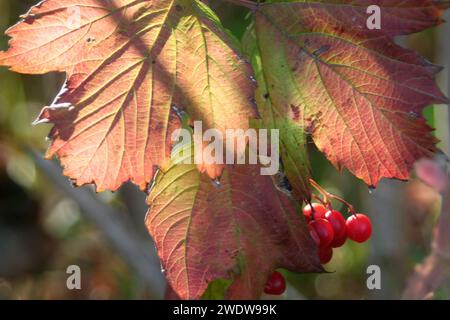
(321, 190)
(349, 206)
(327, 195)
(323, 201)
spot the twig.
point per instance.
(435, 269)
(430, 274)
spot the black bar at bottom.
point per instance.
(192, 310)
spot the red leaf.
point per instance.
(359, 94)
(243, 229)
(128, 62)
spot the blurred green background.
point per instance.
(45, 225)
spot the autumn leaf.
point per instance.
(242, 230)
(296, 170)
(137, 70)
(358, 93)
(130, 65)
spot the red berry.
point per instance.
(325, 255)
(339, 242)
(359, 227)
(324, 230)
(319, 211)
(314, 235)
(276, 284)
(340, 230)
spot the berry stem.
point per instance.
(349, 206)
(327, 195)
(321, 190)
(323, 201)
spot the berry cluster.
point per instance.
(329, 229)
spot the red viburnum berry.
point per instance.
(339, 242)
(318, 209)
(337, 221)
(324, 231)
(325, 255)
(276, 285)
(359, 227)
(314, 235)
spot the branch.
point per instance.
(435, 269)
(139, 255)
(429, 276)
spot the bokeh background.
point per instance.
(46, 225)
